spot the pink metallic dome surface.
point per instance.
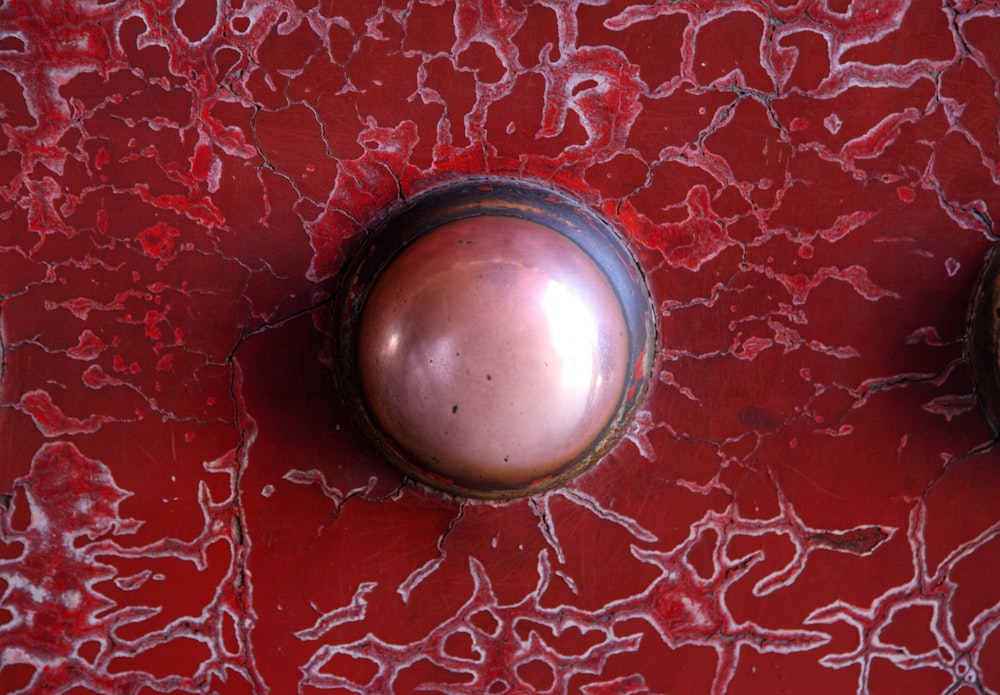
(493, 350)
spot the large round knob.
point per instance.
(487, 347)
(983, 337)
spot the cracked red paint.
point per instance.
(806, 500)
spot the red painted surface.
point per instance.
(807, 501)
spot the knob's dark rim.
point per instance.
(983, 338)
(495, 197)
